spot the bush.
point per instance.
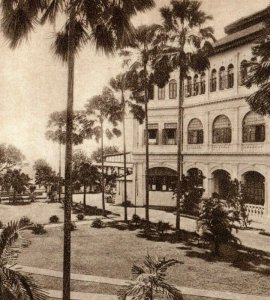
(162, 228)
(25, 221)
(54, 219)
(80, 217)
(98, 223)
(72, 226)
(128, 203)
(136, 219)
(38, 229)
(1, 225)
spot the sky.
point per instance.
(33, 83)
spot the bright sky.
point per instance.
(33, 82)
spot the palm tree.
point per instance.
(121, 84)
(259, 73)
(103, 22)
(13, 284)
(140, 55)
(150, 279)
(102, 108)
(185, 45)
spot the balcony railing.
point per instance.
(254, 211)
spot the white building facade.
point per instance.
(221, 136)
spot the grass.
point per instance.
(110, 252)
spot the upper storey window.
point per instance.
(161, 93)
(195, 132)
(189, 87)
(169, 134)
(203, 83)
(153, 134)
(253, 128)
(196, 85)
(213, 81)
(230, 76)
(222, 132)
(243, 72)
(172, 89)
(222, 78)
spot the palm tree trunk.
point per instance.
(68, 161)
(84, 198)
(125, 159)
(59, 180)
(179, 149)
(146, 147)
(102, 171)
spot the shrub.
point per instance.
(54, 219)
(98, 223)
(136, 219)
(25, 221)
(217, 223)
(72, 226)
(80, 217)
(128, 203)
(162, 228)
(38, 229)
(1, 225)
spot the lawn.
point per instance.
(110, 252)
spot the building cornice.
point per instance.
(206, 154)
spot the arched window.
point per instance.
(172, 89)
(243, 71)
(196, 84)
(161, 93)
(222, 130)
(189, 87)
(230, 76)
(253, 128)
(202, 83)
(254, 188)
(195, 132)
(213, 81)
(222, 78)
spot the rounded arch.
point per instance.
(222, 132)
(243, 71)
(189, 87)
(221, 182)
(213, 80)
(253, 184)
(222, 78)
(195, 131)
(197, 175)
(230, 71)
(172, 89)
(202, 83)
(196, 84)
(253, 128)
(162, 179)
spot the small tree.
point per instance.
(150, 279)
(217, 223)
(17, 181)
(10, 157)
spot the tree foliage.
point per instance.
(108, 150)
(10, 157)
(150, 280)
(13, 284)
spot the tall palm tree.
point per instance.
(121, 84)
(185, 45)
(258, 73)
(139, 56)
(13, 284)
(105, 23)
(150, 279)
(104, 108)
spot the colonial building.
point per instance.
(222, 137)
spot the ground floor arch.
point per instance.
(162, 179)
(221, 181)
(254, 187)
(197, 175)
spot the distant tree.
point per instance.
(105, 109)
(10, 157)
(85, 174)
(45, 175)
(150, 280)
(108, 150)
(16, 181)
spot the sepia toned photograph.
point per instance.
(135, 150)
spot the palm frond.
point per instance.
(51, 11)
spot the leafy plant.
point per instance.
(1, 225)
(150, 280)
(54, 219)
(80, 217)
(97, 223)
(13, 284)
(162, 228)
(25, 221)
(38, 229)
(217, 223)
(136, 219)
